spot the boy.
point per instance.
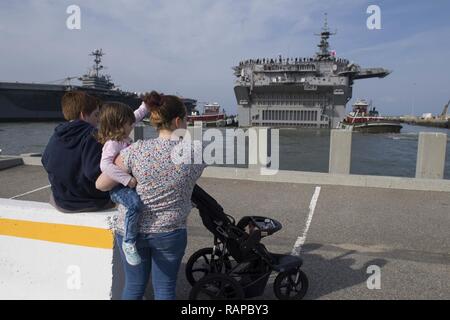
(72, 157)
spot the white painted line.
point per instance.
(29, 192)
(301, 240)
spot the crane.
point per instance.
(65, 81)
(444, 112)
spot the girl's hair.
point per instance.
(113, 118)
(163, 109)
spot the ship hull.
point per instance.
(292, 106)
(217, 120)
(42, 102)
(383, 127)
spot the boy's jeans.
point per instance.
(161, 255)
(130, 200)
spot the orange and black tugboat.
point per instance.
(212, 116)
(365, 118)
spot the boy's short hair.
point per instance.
(76, 102)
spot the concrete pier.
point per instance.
(431, 155)
(404, 233)
(340, 151)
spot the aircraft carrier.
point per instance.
(42, 102)
(298, 92)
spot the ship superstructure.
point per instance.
(298, 92)
(94, 79)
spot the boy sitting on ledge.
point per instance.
(72, 157)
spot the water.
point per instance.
(300, 149)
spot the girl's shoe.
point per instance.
(131, 254)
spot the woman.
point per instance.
(165, 187)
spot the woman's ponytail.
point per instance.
(163, 109)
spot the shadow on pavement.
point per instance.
(325, 275)
(330, 275)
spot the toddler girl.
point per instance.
(116, 122)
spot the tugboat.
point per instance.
(211, 116)
(365, 118)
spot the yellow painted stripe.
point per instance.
(60, 233)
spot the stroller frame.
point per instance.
(240, 265)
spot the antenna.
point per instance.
(324, 35)
(98, 54)
(325, 26)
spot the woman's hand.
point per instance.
(119, 162)
(133, 183)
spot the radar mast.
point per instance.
(324, 52)
(98, 54)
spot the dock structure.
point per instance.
(428, 120)
(349, 225)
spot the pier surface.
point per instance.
(403, 232)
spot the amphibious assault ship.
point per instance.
(298, 92)
(42, 102)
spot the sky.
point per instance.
(189, 47)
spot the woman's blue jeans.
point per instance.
(161, 255)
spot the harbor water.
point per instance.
(300, 149)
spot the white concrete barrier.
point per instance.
(340, 151)
(431, 155)
(31, 159)
(315, 178)
(196, 131)
(257, 146)
(45, 254)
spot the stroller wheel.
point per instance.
(217, 287)
(199, 264)
(290, 285)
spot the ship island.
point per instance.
(307, 92)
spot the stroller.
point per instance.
(238, 266)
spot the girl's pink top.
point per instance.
(111, 150)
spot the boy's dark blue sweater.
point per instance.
(72, 161)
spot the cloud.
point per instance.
(185, 47)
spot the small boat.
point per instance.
(364, 118)
(211, 116)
